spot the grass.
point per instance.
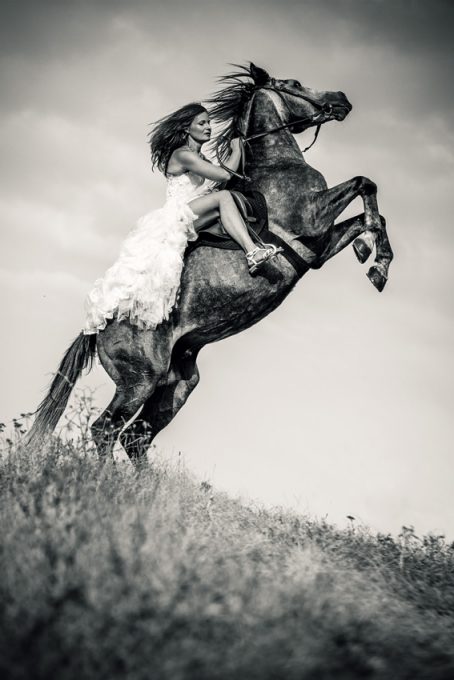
(111, 573)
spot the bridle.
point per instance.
(324, 110)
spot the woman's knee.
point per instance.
(224, 196)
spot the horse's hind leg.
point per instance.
(160, 408)
(136, 361)
(123, 407)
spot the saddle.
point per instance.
(253, 209)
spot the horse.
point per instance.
(155, 371)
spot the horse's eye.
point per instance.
(296, 83)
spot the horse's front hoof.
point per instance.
(377, 278)
(362, 249)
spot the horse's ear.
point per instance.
(258, 75)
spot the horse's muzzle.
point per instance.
(341, 112)
(341, 107)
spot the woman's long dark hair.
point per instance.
(169, 133)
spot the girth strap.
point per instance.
(292, 257)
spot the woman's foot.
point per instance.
(257, 257)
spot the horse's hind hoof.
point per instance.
(377, 278)
(362, 249)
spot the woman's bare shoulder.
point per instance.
(176, 158)
(184, 152)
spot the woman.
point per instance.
(143, 284)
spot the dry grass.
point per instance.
(111, 573)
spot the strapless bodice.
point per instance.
(186, 186)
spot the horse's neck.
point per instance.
(270, 160)
(276, 147)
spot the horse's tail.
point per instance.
(77, 357)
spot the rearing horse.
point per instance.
(155, 371)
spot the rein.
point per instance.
(324, 110)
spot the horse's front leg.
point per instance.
(330, 203)
(346, 232)
(342, 235)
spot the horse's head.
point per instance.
(302, 105)
(297, 107)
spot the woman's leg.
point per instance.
(230, 218)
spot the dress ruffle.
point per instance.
(143, 284)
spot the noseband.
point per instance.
(324, 110)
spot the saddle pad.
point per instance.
(258, 202)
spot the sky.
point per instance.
(338, 403)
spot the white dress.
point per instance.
(143, 284)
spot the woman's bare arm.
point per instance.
(192, 161)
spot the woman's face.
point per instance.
(200, 128)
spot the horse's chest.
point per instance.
(285, 189)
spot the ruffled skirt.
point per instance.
(143, 284)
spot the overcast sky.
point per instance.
(350, 392)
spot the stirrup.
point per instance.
(270, 251)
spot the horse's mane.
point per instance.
(229, 102)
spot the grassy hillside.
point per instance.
(108, 573)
